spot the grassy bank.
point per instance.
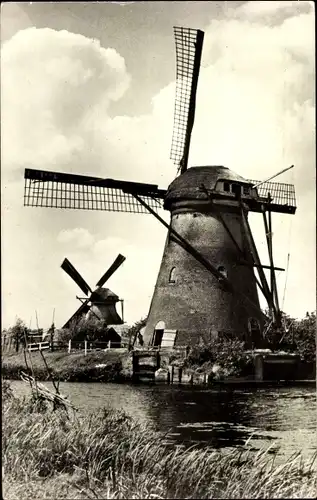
(101, 366)
(109, 455)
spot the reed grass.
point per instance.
(109, 455)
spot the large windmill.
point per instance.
(101, 302)
(206, 284)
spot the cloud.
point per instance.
(77, 237)
(255, 115)
(272, 10)
(52, 81)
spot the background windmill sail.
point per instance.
(112, 269)
(100, 302)
(209, 250)
(74, 274)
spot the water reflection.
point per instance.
(284, 417)
(199, 415)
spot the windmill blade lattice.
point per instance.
(74, 274)
(60, 190)
(117, 263)
(189, 44)
(282, 196)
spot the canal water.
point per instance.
(283, 418)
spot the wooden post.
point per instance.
(85, 344)
(172, 374)
(69, 345)
(158, 360)
(135, 365)
(52, 338)
(180, 373)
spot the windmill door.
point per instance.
(158, 334)
(168, 339)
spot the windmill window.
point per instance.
(236, 189)
(226, 186)
(254, 330)
(222, 270)
(171, 278)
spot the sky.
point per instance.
(89, 89)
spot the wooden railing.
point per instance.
(38, 346)
(87, 345)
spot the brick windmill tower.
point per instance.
(207, 284)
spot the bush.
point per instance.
(229, 356)
(297, 335)
(7, 393)
(304, 334)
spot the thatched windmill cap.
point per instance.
(104, 295)
(188, 185)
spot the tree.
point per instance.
(90, 329)
(134, 331)
(18, 331)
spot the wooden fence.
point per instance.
(8, 344)
(38, 346)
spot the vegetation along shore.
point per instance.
(55, 454)
(96, 366)
(218, 359)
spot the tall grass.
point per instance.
(109, 455)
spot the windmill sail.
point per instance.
(74, 274)
(117, 263)
(280, 196)
(83, 309)
(60, 190)
(189, 43)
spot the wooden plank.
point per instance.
(168, 339)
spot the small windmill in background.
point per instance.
(101, 302)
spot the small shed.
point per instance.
(113, 337)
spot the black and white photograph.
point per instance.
(158, 223)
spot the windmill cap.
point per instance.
(188, 185)
(104, 294)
